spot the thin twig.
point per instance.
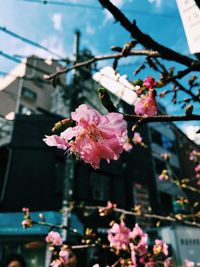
(160, 118)
(146, 215)
(100, 58)
(145, 39)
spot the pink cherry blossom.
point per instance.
(118, 236)
(167, 262)
(133, 257)
(111, 205)
(137, 235)
(26, 223)
(64, 256)
(25, 210)
(56, 263)
(96, 136)
(164, 176)
(146, 104)
(127, 146)
(56, 140)
(188, 263)
(194, 155)
(149, 82)
(137, 138)
(160, 247)
(150, 263)
(106, 210)
(54, 238)
(197, 168)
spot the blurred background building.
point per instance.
(43, 179)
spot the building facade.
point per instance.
(46, 181)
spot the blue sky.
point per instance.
(53, 26)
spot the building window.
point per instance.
(156, 137)
(29, 94)
(168, 143)
(160, 165)
(166, 203)
(163, 141)
(100, 186)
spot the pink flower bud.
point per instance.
(149, 82)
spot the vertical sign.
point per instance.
(190, 15)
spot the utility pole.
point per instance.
(69, 170)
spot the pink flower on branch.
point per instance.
(56, 140)
(139, 239)
(127, 145)
(167, 262)
(149, 82)
(27, 223)
(188, 263)
(94, 137)
(146, 104)
(56, 263)
(54, 238)
(160, 247)
(64, 256)
(137, 138)
(194, 155)
(197, 168)
(118, 236)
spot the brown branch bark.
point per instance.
(173, 79)
(102, 57)
(147, 215)
(146, 40)
(160, 118)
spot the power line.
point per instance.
(15, 59)
(33, 43)
(67, 4)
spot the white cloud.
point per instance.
(158, 3)
(57, 21)
(90, 30)
(52, 42)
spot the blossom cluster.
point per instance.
(135, 242)
(137, 140)
(146, 104)
(62, 255)
(195, 157)
(94, 137)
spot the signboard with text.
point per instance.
(190, 15)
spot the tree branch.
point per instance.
(160, 118)
(164, 71)
(169, 218)
(102, 57)
(146, 40)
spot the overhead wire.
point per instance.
(28, 41)
(15, 59)
(77, 5)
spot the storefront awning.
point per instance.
(10, 223)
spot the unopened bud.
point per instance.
(66, 122)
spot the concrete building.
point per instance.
(24, 89)
(49, 181)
